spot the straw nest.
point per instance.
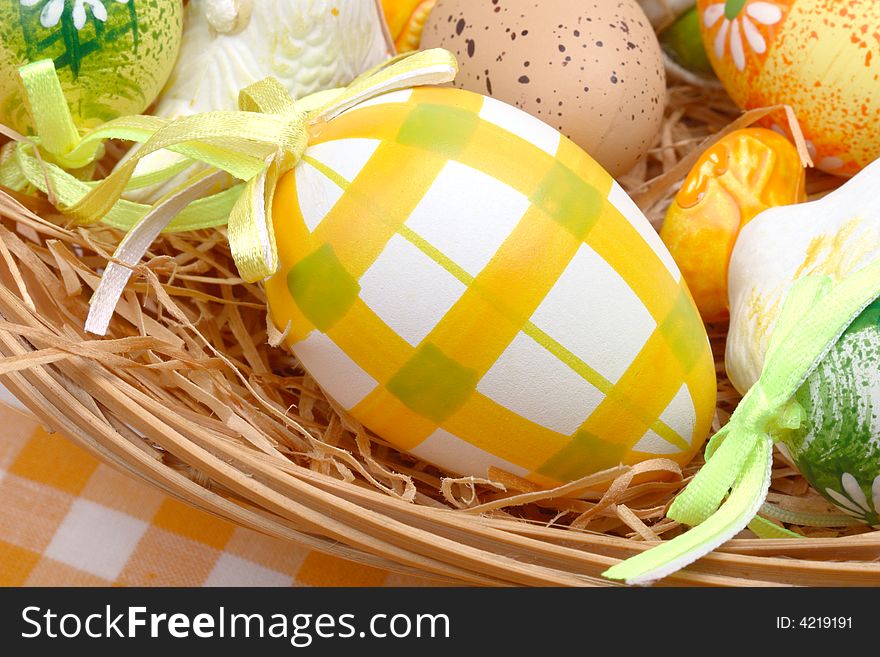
(188, 393)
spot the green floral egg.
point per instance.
(838, 447)
(113, 56)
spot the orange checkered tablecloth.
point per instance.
(67, 519)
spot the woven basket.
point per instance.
(187, 393)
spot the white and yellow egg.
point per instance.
(477, 290)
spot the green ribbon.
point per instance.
(729, 490)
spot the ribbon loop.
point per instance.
(252, 242)
(268, 96)
(48, 108)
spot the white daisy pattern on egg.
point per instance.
(853, 501)
(54, 9)
(738, 24)
(51, 13)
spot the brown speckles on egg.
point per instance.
(597, 65)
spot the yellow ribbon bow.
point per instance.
(257, 144)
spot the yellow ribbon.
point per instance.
(257, 144)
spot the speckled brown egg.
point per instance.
(592, 70)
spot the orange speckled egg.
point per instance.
(822, 57)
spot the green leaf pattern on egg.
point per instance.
(838, 447)
(112, 56)
(74, 43)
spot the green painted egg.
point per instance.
(838, 447)
(113, 56)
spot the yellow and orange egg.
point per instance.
(821, 57)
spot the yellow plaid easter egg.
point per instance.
(478, 291)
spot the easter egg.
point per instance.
(479, 292)
(593, 70)
(112, 56)
(739, 177)
(837, 447)
(820, 57)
